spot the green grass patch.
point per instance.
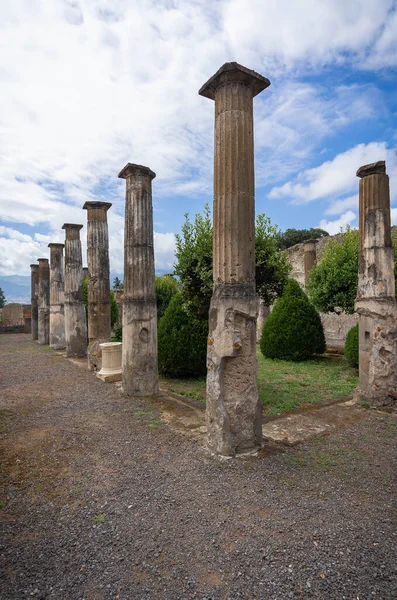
(285, 385)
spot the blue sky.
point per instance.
(89, 85)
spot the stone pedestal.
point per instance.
(309, 258)
(140, 370)
(234, 412)
(111, 362)
(34, 281)
(57, 288)
(99, 328)
(376, 301)
(43, 336)
(75, 316)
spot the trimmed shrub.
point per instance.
(182, 342)
(166, 288)
(351, 347)
(293, 331)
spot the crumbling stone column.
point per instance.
(75, 317)
(233, 414)
(34, 281)
(99, 328)
(376, 300)
(140, 370)
(57, 289)
(309, 258)
(43, 302)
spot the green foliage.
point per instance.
(351, 347)
(118, 333)
(117, 284)
(194, 262)
(166, 288)
(293, 330)
(2, 298)
(333, 282)
(182, 341)
(114, 309)
(290, 237)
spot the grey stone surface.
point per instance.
(34, 269)
(140, 366)
(43, 302)
(57, 300)
(75, 316)
(376, 301)
(309, 258)
(99, 329)
(233, 412)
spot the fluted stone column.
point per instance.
(233, 414)
(140, 370)
(376, 301)
(99, 328)
(43, 302)
(309, 258)
(34, 282)
(75, 317)
(57, 289)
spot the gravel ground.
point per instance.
(101, 500)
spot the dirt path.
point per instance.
(101, 499)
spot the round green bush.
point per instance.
(351, 347)
(293, 331)
(182, 342)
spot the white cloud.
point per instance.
(393, 212)
(337, 177)
(337, 207)
(334, 227)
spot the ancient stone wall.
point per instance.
(16, 318)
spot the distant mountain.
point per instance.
(16, 288)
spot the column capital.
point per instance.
(72, 226)
(55, 245)
(34, 266)
(233, 72)
(372, 169)
(97, 205)
(131, 169)
(42, 260)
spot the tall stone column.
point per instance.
(309, 258)
(75, 317)
(43, 302)
(140, 370)
(234, 413)
(376, 300)
(57, 289)
(99, 328)
(34, 282)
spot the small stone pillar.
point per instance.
(57, 289)
(75, 317)
(376, 300)
(111, 362)
(99, 328)
(234, 411)
(34, 281)
(309, 258)
(140, 370)
(43, 302)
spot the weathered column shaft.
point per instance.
(44, 302)
(309, 258)
(376, 303)
(99, 328)
(233, 412)
(57, 300)
(75, 315)
(140, 368)
(34, 299)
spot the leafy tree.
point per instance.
(2, 298)
(117, 284)
(166, 287)
(290, 237)
(194, 262)
(293, 331)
